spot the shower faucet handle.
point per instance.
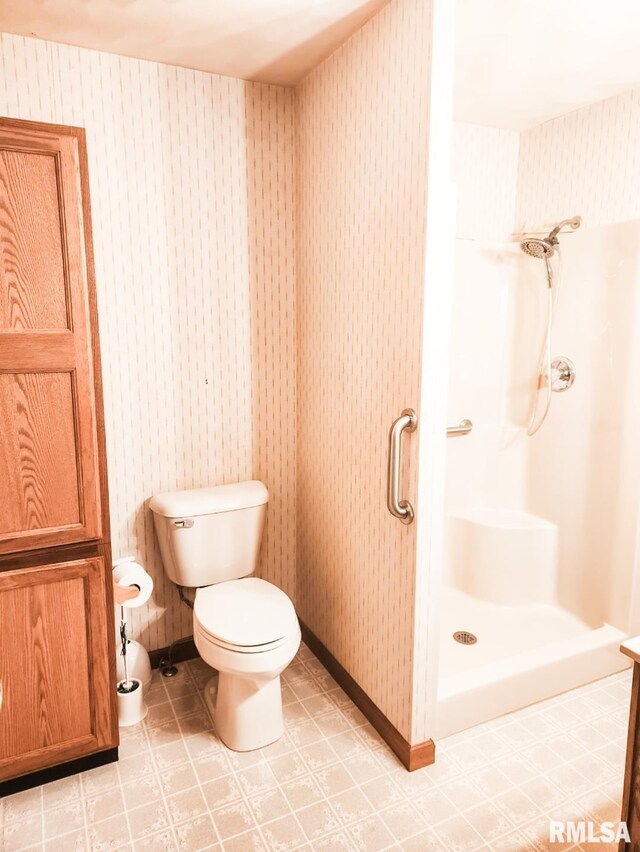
(563, 374)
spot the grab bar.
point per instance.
(401, 509)
(463, 428)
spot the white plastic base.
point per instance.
(524, 654)
(247, 711)
(131, 706)
(504, 557)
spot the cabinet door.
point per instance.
(56, 697)
(49, 484)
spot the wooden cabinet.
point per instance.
(57, 654)
(49, 488)
(54, 674)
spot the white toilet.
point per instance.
(244, 627)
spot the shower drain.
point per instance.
(464, 637)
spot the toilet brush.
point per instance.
(125, 685)
(131, 707)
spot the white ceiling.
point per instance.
(520, 62)
(274, 41)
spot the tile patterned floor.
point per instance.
(330, 783)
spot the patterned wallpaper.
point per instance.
(586, 162)
(362, 167)
(191, 180)
(485, 171)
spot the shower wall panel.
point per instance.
(485, 171)
(584, 464)
(586, 162)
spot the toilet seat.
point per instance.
(246, 616)
(242, 649)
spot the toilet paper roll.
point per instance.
(133, 574)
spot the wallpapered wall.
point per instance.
(191, 179)
(362, 173)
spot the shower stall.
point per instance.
(542, 495)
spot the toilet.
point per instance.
(244, 627)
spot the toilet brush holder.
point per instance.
(138, 663)
(131, 706)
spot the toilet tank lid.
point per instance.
(210, 501)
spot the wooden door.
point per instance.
(49, 483)
(55, 678)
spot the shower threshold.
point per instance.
(522, 655)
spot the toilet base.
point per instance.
(247, 711)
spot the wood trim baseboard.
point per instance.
(411, 757)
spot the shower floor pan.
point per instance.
(523, 654)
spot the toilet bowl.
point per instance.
(243, 626)
(248, 631)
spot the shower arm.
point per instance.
(574, 223)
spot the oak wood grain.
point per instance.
(53, 549)
(37, 351)
(38, 453)
(33, 289)
(53, 668)
(46, 269)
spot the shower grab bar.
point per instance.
(401, 509)
(463, 428)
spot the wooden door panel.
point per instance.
(38, 453)
(33, 285)
(40, 689)
(51, 494)
(56, 701)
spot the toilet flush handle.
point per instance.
(184, 523)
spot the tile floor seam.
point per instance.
(42, 814)
(190, 762)
(307, 774)
(126, 814)
(85, 821)
(356, 785)
(164, 801)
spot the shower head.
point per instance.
(544, 249)
(538, 248)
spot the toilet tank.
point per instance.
(209, 535)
